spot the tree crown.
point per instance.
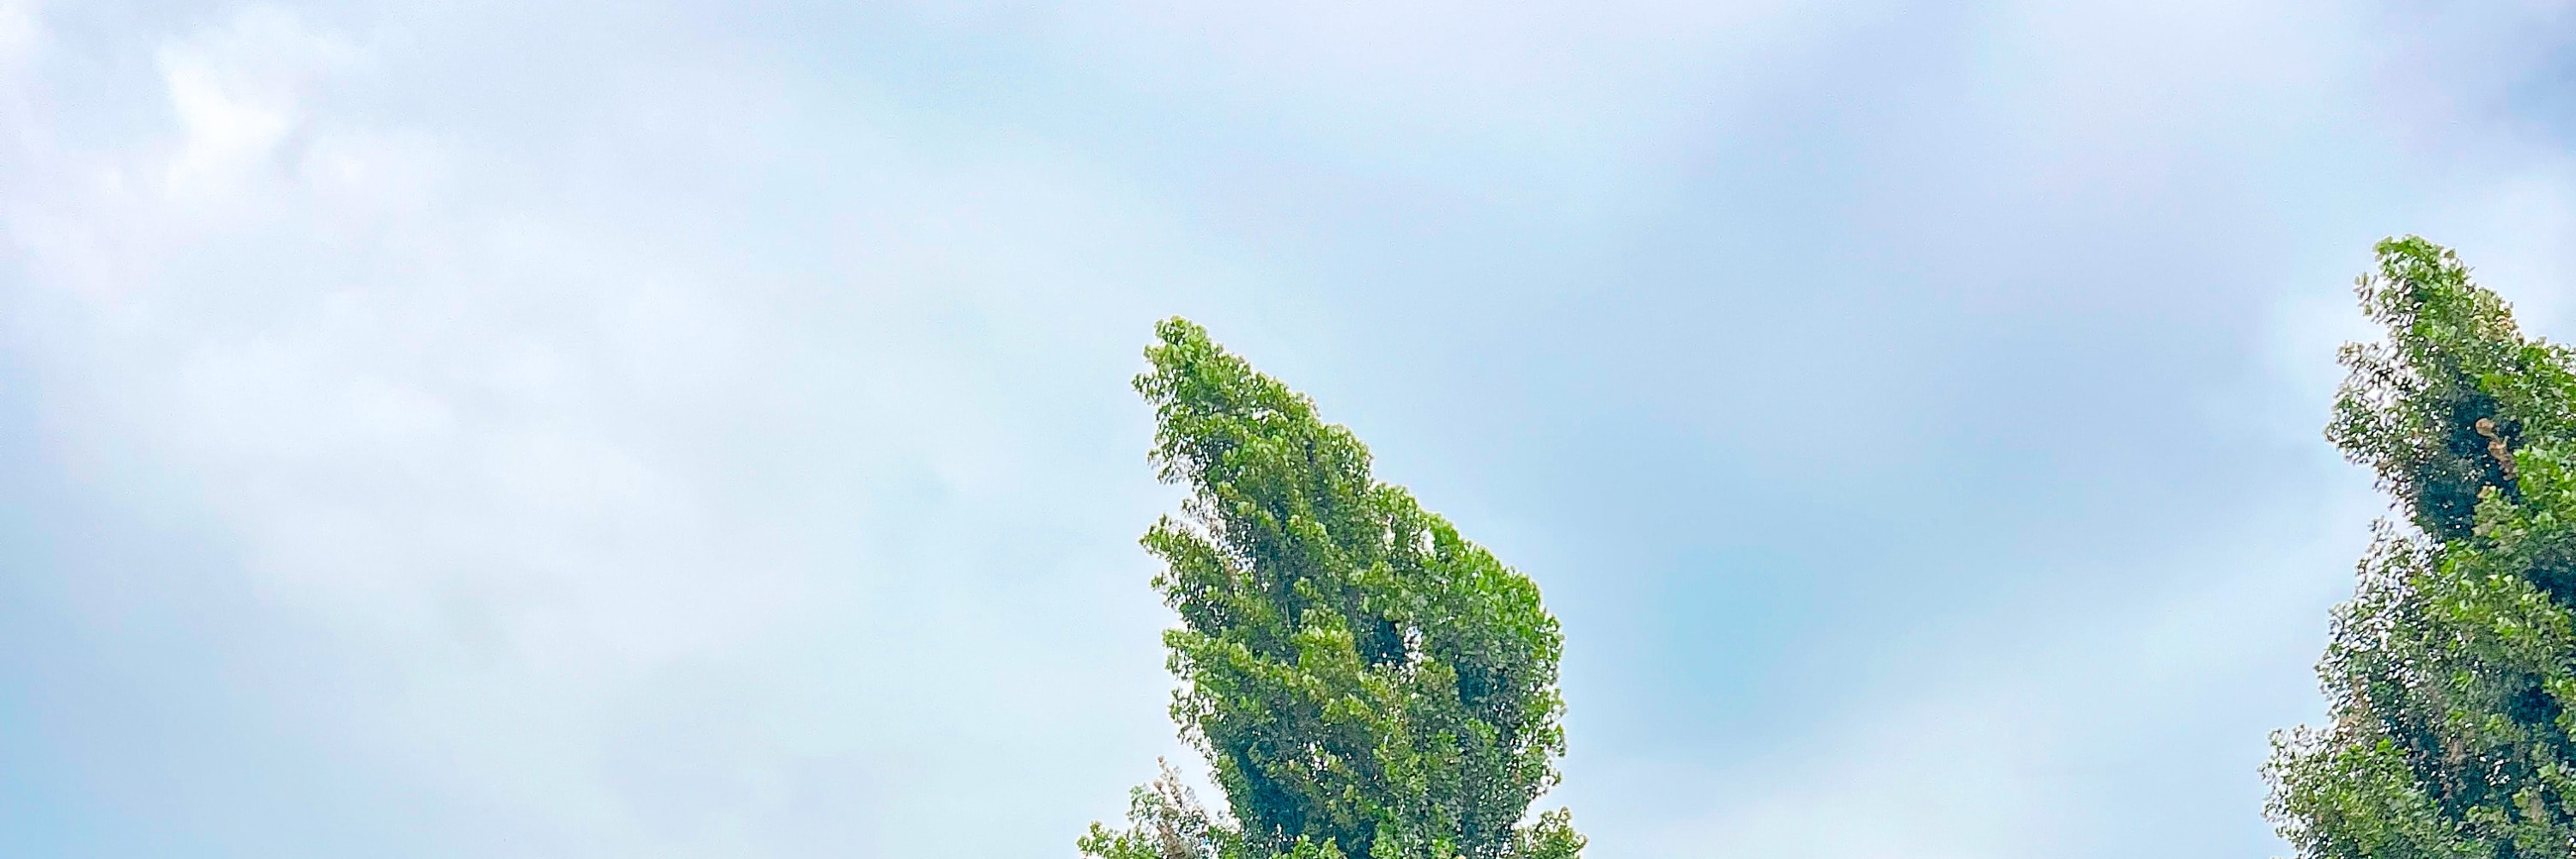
(1363, 680)
(2451, 670)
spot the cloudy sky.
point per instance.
(666, 429)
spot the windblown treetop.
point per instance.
(1364, 682)
(2456, 385)
(2452, 669)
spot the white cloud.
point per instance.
(239, 93)
(616, 519)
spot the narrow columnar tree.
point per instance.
(1363, 681)
(2452, 669)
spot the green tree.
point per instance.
(1363, 681)
(2451, 671)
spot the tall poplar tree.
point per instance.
(1363, 681)
(2452, 670)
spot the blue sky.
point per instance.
(665, 429)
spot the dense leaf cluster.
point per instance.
(2452, 670)
(1363, 681)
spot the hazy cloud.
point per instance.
(653, 429)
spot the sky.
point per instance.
(686, 429)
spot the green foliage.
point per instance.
(1364, 681)
(2451, 670)
(2412, 407)
(1165, 821)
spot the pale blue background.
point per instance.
(651, 429)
